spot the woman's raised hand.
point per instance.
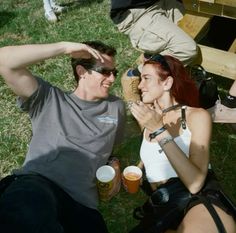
(149, 117)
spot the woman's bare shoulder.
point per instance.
(197, 115)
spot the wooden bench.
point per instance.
(196, 23)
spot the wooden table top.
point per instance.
(224, 8)
(222, 2)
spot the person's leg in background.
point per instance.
(224, 110)
(51, 9)
(230, 100)
(49, 13)
(155, 30)
(56, 7)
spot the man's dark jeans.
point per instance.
(33, 204)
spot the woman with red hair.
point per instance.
(175, 154)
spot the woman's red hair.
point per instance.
(184, 89)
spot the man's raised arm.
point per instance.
(14, 61)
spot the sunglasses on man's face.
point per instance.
(105, 71)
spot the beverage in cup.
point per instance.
(131, 178)
(105, 175)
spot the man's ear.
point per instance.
(168, 83)
(80, 71)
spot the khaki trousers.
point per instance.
(155, 30)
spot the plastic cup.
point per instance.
(105, 175)
(131, 178)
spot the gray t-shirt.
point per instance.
(71, 139)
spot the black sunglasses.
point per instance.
(89, 65)
(157, 58)
(104, 71)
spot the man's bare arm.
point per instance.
(15, 60)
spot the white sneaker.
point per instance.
(50, 16)
(58, 9)
(222, 114)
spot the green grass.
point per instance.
(21, 22)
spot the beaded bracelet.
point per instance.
(157, 132)
(165, 140)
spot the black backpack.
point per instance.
(208, 90)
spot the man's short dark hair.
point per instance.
(89, 63)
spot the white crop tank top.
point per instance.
(157, 165)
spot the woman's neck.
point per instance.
(168, 104)
(170, 108)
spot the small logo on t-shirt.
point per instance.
(107, 119)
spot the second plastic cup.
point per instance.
(131, 178)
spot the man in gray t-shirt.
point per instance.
(73, 135)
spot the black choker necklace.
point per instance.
(171, 108)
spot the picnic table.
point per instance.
(196, 22)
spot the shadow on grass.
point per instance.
(6, 17)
